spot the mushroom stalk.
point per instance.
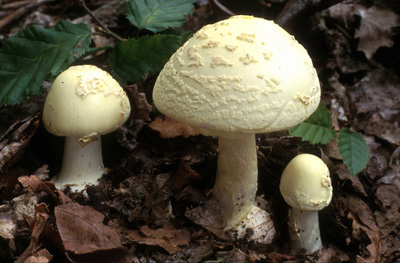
(81, 165)
(304, 230)
(236, 183)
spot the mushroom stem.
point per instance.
(236, 183)
(304, 230)
(81, 165)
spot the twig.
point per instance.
(22, 10)
(108, 31)
(296, 9)
(223, 8)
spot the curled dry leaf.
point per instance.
(169, 128)
(36, 224)
(141, 108)
(364, 228)
(184, 176)
(15, 139)
(166, 237)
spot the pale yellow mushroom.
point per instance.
(233, 79)
(306, 187)
(83, 103)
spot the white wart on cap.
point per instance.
(240, 75)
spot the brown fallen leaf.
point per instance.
(166, 237)
(141, 108)
(364, 228)
(376, 28)
(42, 256)
(36, 225)
(14, 141)
(184, 176)
(34, 184)
(82, 230)
(169, 128)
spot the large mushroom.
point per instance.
(233, 79)
(83, 103)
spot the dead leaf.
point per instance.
(184, 176)
(376, 99)
(42, 256)
(14, 141)
(364, 228)
(34, 184)
(36, 225)
(141, 108)
(169, 128)
(344, 174)
(209, 217)
(82, 230)
(376, 28)
(388, 188)
(166, 237)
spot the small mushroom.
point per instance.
(83, 103)
(233, 79)
(306, 187)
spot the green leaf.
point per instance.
(354, 150)
(158, 15)
(133, 58)
(317, 128)
(36, 53)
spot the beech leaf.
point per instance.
(354, 150)
(35, 54)
(158, 15)
(316, 129)
(133, 58)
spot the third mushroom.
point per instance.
(234, 79)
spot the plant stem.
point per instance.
(108, 31)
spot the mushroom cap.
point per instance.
(305, 183)
(240, 75)
(85, 101)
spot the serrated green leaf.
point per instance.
(317, 128)
(34, 53)
(158, 15)
(133, 58)
(354, 150)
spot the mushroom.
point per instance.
(83, 103)
(233, 79)
(306, 187)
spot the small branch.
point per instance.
(107, 31)
(295, 9)
(223, 8)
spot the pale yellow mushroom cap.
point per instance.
(240, 75)
(305, 183)
(85, 101)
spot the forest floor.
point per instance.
(160, 169)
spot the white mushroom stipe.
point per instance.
(82, 165)
(306, 187)
(83, 103)
(233, 79)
